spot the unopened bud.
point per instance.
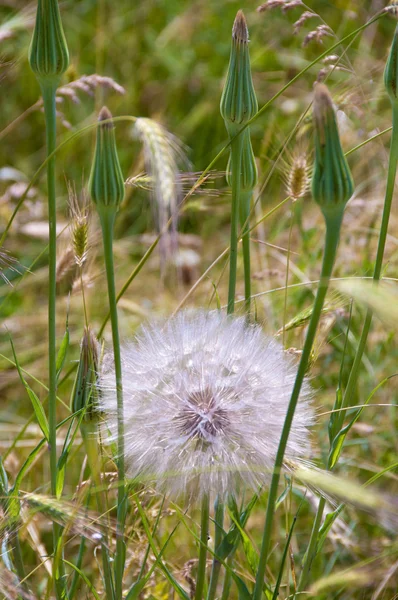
(106, 180)
(332, 184)
(238, 101)
(48, 53)
(85, 387)
(391, 70)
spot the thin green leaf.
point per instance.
(340, 438)
(84, 577)
(249, 550)
(139, 585)
(32, 456)
(62, 350)
(217, 296)
(37, 406)
(182, 594)
(243, 592)
(283, 560)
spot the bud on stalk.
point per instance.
(332, 184)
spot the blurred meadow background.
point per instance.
(167, 61)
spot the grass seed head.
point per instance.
(106, 180)
(205, 398)
(297, 179)
(238, 101)
(332, 184)
(162, 153)
(80, 221)
(48, 53)
(7, 262)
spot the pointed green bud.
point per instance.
(391, 70)
(238, 101)
(332, 184)
(48, 53)
(248, 165)
(85, 390)
(106, 183)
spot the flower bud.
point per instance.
(248, 165)
(391, 70)
(106, 180)
(48, 53)
(238, 101)
(85, 386)
(332, 184)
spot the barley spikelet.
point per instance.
(65, 263)
(7, 262)
(392, 8)
(303, 19)
(11, 588)
(297, 181)
(283, 4)
(80, 221)
(317, 35)
(87, 84)
(162, 152)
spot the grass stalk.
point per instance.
(107, 225)
(245, 235)
(204, 534)
(216, 566)
(333, 225)
(236, 161)
(48, 92)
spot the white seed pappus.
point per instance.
(205, 398)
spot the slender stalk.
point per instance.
(228, 579)
(236, 161)
(89, 435)
(204, 534)
(244, 220)
(107, 224)
(216, 566)
(50, 118)
(354, 373)
(48, 92)
(333, 225)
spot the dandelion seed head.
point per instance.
(205, 398)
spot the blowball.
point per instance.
(205, 398)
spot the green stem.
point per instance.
(244, 221)
(48, 93)
(333, 224)
(228, 579)
(236, 160)
(107, 225)
(216, 566)
(354, 373)
(204, 534)
(89, 434)
(311, 550)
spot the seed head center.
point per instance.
(202, 417)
